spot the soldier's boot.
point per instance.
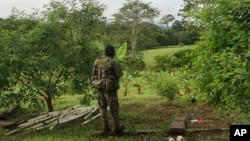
(105, 129)
(118, 129)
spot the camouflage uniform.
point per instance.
(109, 69)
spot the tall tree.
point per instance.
(167, 19)
(48, 54)
(133, 13)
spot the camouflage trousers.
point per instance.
(109, 99)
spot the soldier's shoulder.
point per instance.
(97, 60)
(113, 61)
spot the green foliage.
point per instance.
(166, 85)
(134, 64)
(164, 62)
(46, 55)
(222, 60)
(2, 132)
(89, 94)
(148, 36)
(121, 51)
(170, 62)
(183, 57)
(128, 15)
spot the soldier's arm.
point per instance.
(117, 69)
(94, 71)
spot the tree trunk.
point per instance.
(49, 104)
(139, 89)
(126, 89)
(133, 48)
(133, 40)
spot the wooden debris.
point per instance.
(91, 119)
(6, 123)
(52, 119)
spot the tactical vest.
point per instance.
(101, 66)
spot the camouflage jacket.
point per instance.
(109, 69)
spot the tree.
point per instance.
(147, 38)
(114, 33)
(222, 59)
(49, 54)
(132, 14)
(189, 7)
(167, 19)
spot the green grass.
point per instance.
(150, 54)
(75, 132)
(136, 112)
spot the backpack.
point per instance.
(100, 70)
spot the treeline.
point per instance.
(155, 35)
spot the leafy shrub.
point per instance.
(222, 59)
(135, 64)
(183, 58)
(171, 62)
(166, 86)
(2, 132)
(164, 62)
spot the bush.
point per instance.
(166, 86)
(171, 62)
(183, 58)
(135, 64)
(165, 62)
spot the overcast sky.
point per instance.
(165, 6)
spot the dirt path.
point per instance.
(203, 121)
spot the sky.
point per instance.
(164, 6)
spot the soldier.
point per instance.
(105, 77)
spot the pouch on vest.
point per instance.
(99, 84)
(109, 84)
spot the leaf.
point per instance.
(121, 51)
(98, 44)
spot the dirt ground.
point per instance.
(203, 121)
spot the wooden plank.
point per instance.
(87, 116)
(33, 122)
(96, 116)
(44, 117)
(4, 123)
(178, 125)
(74, 116)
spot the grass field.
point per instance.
(150, 54)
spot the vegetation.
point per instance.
(221, 64)
(132, 14)
(46, 56)
(150, 55)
